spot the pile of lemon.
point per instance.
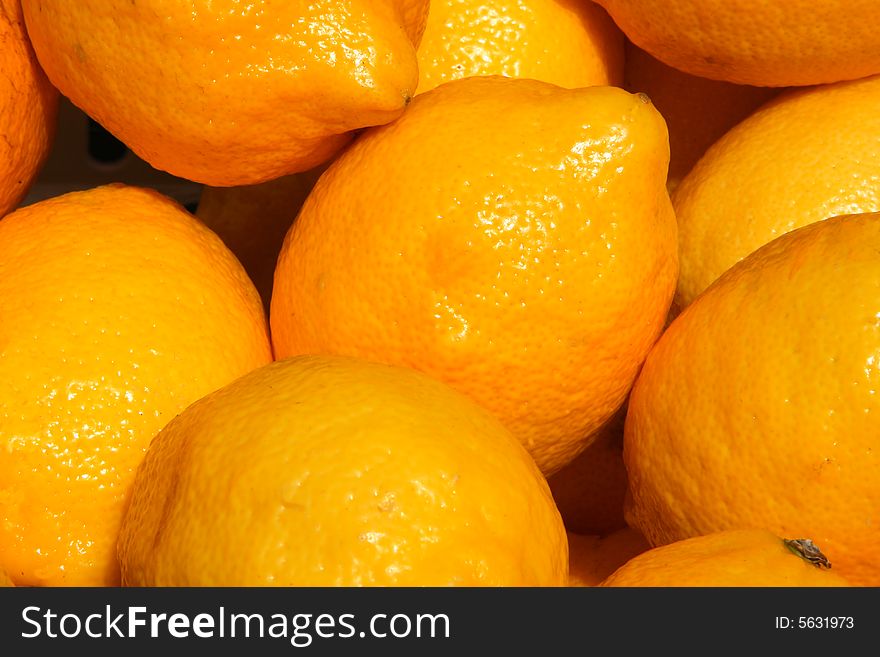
(478, 292)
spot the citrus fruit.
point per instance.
(330, 471)
(118, 310)
(745, 557)
(4, 580)
(509, 237)
(698, 111)
(252, 221)
(232, 92)
(758, 406)
(807, 155)
(593, 558)
(28, 109)
(566, 42)
(770, 43)
(589, 491)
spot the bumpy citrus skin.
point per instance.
(698, 111)
(509, 237)
(328, 471)
(28, 109)
(118, 310)
(566, 42)
(805, 156)
(770, 43)
(749, 557)
(593, 558)
(231, 92)
(758, 406)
